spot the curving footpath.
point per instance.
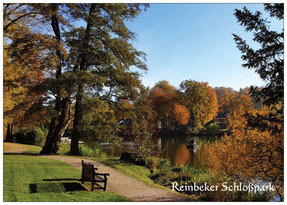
(125, 185)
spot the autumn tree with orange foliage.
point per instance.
(237, 107)
(165, 86)
(124, 109)
(181, 113)
(255, 149)
(221, 90)
(24, 61)
(162, 96)
(250, 153)
(201, 101)
(226, 102)
(212, 108)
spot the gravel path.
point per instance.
(124, 185)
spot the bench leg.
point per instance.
(105, 185)
(92, 188)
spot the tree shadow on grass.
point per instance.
(56, 187)
(27, 154)
(71, 186)
(62, 179)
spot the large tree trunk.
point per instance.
(62, 106)
(9, 135)
(57, 128)
(74, 149)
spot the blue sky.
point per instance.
(194, 41)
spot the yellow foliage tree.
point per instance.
(212, 108)
(17, 96)
(238, 107)
(23, 62)
(249, 153)
(201, 101)
(226, 101)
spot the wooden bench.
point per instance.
(89, 174)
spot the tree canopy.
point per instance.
(254, 150)
(201, 101)
(268, 59)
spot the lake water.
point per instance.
(173, 148)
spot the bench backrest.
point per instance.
(88, 171)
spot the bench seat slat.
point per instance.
(99, 179)
(89, 174)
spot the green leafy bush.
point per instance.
(188, 175)
(133, 158)
(152, 162)
(64, 149)
(162, 177)
(212, 129)
(91, 151)
(84, 151)
(176, 169)
(30, 135)
(163, 163)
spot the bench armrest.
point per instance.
(103, 174)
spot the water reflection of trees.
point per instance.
(173, 148)
(186, 156)
(182, 155)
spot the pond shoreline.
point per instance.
(174, 148)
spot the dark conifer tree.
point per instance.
(267, 60)
(101, 55)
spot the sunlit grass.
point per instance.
(15, 146)
(141, 173)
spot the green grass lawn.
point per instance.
(141, 173)
(32, 178)
(33, 149)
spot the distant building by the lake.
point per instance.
(221, 120)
